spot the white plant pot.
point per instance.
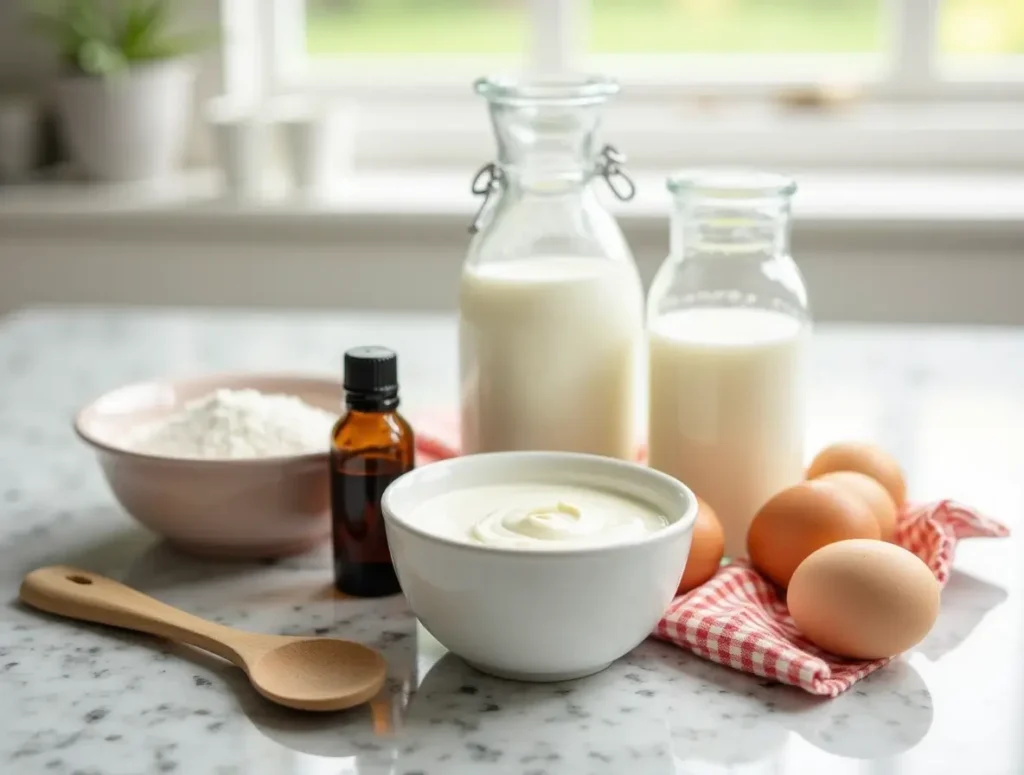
(318, 141)
(241, 137)
(129, 127)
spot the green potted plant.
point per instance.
(124, 97)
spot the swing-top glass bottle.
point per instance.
(550, 300)
(729, 323)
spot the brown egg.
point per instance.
(706, 549)
(866, 459)
(876, 496)
(801, 520)
(863, 599)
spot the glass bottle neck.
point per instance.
(547, 183)
(549, 148)
(723, 229)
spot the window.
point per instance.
(786, 82)
(336, 28)
(736, 27)
(981, 28)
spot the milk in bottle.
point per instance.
(728, 327)
(550, 301)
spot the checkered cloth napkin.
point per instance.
(740, 620)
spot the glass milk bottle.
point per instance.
(729, 327)
(550, 300)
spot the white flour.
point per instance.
(237, 424)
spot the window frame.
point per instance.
(265, 58)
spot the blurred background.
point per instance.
(965, 27)
(319, 153)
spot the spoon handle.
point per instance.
(79, 594)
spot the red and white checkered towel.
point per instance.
(740, 620)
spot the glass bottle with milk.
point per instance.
(729, 326)
(550, 301)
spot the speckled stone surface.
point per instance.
(85, 699)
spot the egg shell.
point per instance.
(866, 459)
(877, 497)
(864, 599)
(706, 549)
(802, 519)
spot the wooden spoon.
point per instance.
(301, 673)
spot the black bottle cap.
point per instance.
(371, 370)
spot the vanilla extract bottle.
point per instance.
(372, 445)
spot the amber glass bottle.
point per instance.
(372, 446)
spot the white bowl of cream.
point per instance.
(540, 566)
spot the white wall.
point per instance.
(25, 61)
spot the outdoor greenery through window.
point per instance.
(981, 28)
(736, 26)
(340, 27)
(336, 28)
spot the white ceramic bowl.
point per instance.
(545, 615)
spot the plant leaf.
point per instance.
(99, 58)
(88, 20)
(172, 46)
(96, 39)
(143, 23)
(63, 22)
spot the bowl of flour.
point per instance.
(230, 465)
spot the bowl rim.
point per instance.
(681, 525)
(113, 449)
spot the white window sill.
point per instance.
(717, 129)
(873, 246)
(826, 200)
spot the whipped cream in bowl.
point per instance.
(537, 516)
(538, 566)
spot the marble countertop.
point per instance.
(87, 700)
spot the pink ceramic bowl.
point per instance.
(268, 507)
